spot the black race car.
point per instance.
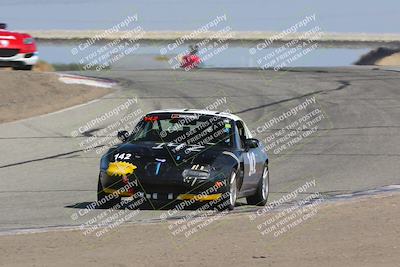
(186, 155)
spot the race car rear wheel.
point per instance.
(106, 201)
(261, 196)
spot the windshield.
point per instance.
(190, 129)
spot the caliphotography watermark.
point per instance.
(98, 221)
(201, 215)
(291, 127)
(279, 51)
(211, 25)
(194, 55)
(193, 133)
(102, 131)
(281, 216)
(96, 55)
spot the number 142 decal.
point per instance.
(122, 156)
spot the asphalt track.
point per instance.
(46, 177)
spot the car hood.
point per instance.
(149, 151)
(16, 36)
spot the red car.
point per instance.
(190, 62)
(17, 50)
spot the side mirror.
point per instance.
(251, 143)
(123, 135)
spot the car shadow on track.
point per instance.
(148, 205)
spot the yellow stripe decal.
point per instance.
(122, 194)
(199, 197)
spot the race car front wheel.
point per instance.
(106, 201)
(261, 196)
(230, 195)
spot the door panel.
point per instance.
(249, 159)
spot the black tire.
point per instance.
(230, 193)
(103, 203)
(261, 196)
(25, 67)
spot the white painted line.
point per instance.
(76, 79)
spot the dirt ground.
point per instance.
(392, 60)
(362, 232)
(27, 94)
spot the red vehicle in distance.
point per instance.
(17, 50)
(191, 60)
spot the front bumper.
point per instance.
(160, 189)
(21, 59)
(159, 196)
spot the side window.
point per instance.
(242, 134)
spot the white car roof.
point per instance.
(199, 111)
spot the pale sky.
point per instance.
(263, 15)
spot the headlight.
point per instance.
(28, 41)
(197, 171)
